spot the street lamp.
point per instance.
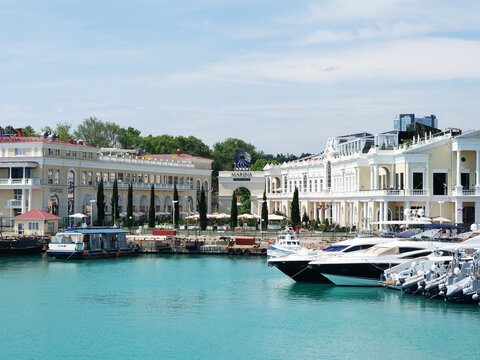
(130, 223)
(173, 210)
(441, 219)
(91, 211)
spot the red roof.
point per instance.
(36, 214)
(27, 139)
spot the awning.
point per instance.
(22, 164)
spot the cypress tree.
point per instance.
(234, 210)
(115, 213)
(130, 204)
(264, 211)
(100, 204)
(295, 209)
(151, 209)
(176, 206)
(202, 208)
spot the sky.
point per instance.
(282, 75)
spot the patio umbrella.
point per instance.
(441, 220)
(275, 217)
(193, 217)
(78, 216)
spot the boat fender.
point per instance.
(270, 242)
(85, 252)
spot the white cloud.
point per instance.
(424, 59)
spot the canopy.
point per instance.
(440, 226)
(217, 216)
(441, 220)
(275, 217)
(248, 216)
(193, 217)
(78, 216)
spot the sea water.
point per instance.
(212, 307)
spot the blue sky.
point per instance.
(283, 75)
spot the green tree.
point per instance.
(305, 218)
(234, 210)
(151, 209)
(265, 211)
(130, 204)
(63, 131)
(28, 131)
(261, 163)
(176, 205)
(100, 204)
(129, 138)
(115, 212)
(47, 128)
(95, 132)
(202, 209)
(243, 195)
(295, 209)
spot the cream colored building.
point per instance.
(62, 177)
(364, 178)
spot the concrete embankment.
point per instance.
(219, 243)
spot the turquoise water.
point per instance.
(194, 307)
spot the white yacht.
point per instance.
(286, 243)
(364, 268)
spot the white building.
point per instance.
(362, 178)
(62, 177)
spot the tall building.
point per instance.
(403, 120)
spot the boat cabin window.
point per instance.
(408, 249)
(335, 248)
(420, 254)
(355, 248)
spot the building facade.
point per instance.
(62, 177)
(404, 120)
(363, 178)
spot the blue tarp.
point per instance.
(440, 226)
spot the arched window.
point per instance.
(53, 204)
(157, 204)
(143, 204)
(86, 204)
(167, 205)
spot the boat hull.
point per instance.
(20, 246)
(299, 271)
(90, 254)
(352, 274)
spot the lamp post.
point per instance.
(173, 210)
(91, 211)
(130, 223)
(188, 205)
(441, 219)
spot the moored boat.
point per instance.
(20, 245)
(90, 243)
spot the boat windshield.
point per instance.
(335, 248)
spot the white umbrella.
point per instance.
(441, 219)
(193, 217)
(78, 216)
(217, 216)
(275, 217)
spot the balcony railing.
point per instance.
(468, 192)
(14, 204)
(23, 181)
(109, 185)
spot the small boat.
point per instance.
(286, 243)
(90, 243)
(20, 245)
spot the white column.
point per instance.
(29, 199)
(365, 215)
(392, 177)
(315, 210)
(371, 178)
(385, 211)
(23, 201)
(458, 186)
(477, 175)
(477, 212)
(427, 208)
(407, 179)
(375, 176)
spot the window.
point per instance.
(74, 154)
(465, 180)
(316, 185)
(90, 155)
(310, 185)
(158, 179)
(145, 179)
(98, 176)
(33, 226)
(175, 180)
(170, 180)
(57, 152)
(50, 176)
(67, 153)
(439, 183)
(112, 177)
(84, 178)
(417, 181)
(105, 177)
(20, 151)
(50, 152)
(90, 178)
(120, 177)
(140, 178)
(127, 177)
(84, 155)
(57, 176)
